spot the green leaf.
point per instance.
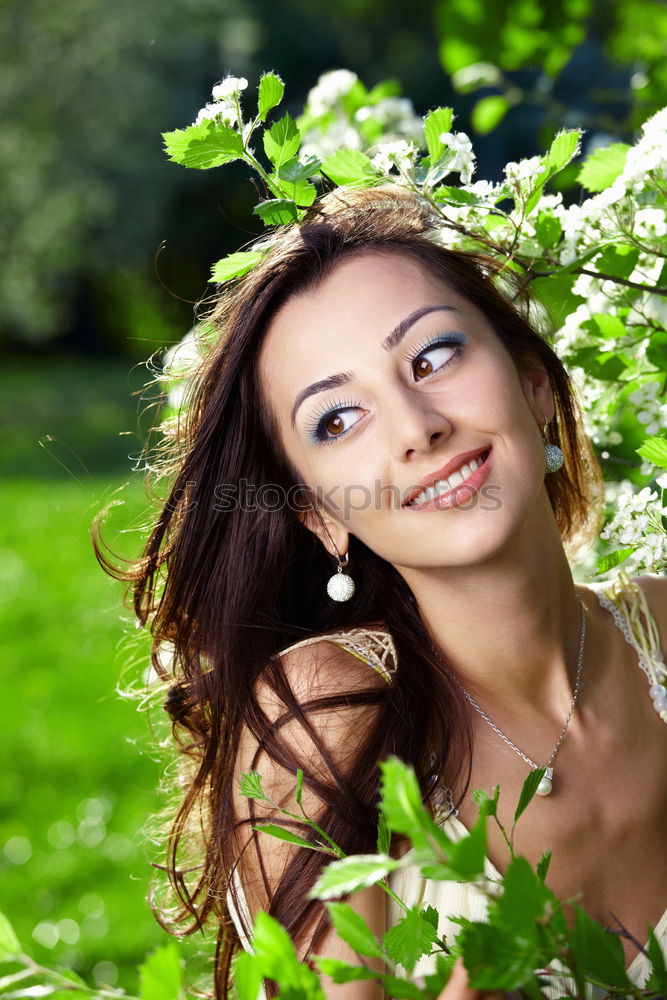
(342, 972)
(523, 901)
(657, 981)
(280, 833)
(602, 167)
(296, 170)
(605, 563)
(603, 365)
(608, 366)
(276, 211)
(489, 112)
(488, 804)
(435, 123)
(411, 938)
(457, 52)
(654, 450)
(385, 88)
(555, 292)
(403, 809)
(543, 866)
(233, 266)
(273, 949)
(353, 873)
(160, 974)
(496, 959)
(353, 929)
(300, 192)
(548, 229)
(656, 352)
(383, 836)
(247, 976)
(580, 261)
(431, 914)
(271, 90)
(563, 149)
(349, 166)
(528, 791)
(532, 201)
(597, 952)
(202, 146)
(10, 946)
(619, 261)
(466, 856)
(605, 326)
(455, 195)
(282, 141)
(298, 791)
(277, 959)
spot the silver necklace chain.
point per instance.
(506, 739)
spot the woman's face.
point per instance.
(383, 380)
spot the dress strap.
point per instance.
(374, 646)
(626, 602)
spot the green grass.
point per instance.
(78, 778)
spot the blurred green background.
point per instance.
(107, 246)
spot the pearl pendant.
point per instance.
(545, 786)
(340, 587)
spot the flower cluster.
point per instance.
(341, 113)
(637, 523)
(223, 107)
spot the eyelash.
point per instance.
(316, 428)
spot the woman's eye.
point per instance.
(434, 358)
(333, 424)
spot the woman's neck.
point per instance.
(509, 627)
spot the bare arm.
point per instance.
(326, 743)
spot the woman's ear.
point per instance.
(334, 536)
(536, 386)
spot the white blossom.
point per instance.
(650, 153)
(229, 87)
(397, 117)
(339, 135)
(329, 89)
(221, 112)
(399, 154)
(524, 170)
(463, 161)
(636, 523)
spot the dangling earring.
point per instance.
(552, 452)
(340, 586)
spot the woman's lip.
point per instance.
(454, 465)
(461, 494)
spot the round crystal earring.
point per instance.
(341, 586)
(554, 455)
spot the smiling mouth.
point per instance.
(442, 487)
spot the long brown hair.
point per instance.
(224, 588)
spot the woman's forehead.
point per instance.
(365, 294)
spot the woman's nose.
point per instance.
(414, 424)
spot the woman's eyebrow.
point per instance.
(388, 344)
(396, 335)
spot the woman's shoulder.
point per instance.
(639, 608)
(371, 645)
(654, 593)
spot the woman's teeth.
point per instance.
(445, 485)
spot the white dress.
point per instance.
(626, 602)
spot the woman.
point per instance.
(357, 366)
